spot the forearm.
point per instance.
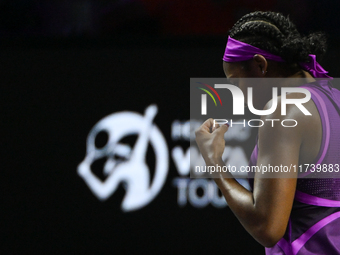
(265, 212)
(241, 201)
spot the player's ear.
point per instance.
(259, 65)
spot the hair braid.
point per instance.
(277, 34)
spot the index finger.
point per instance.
(207, 125)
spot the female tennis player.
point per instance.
(286, 215)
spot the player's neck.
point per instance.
(297, 79)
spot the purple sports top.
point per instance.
(314, 223)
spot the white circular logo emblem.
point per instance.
(133, 169)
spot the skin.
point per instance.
(265, 211)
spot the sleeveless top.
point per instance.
(314, 223)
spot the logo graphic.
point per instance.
(238, 99)
(204, 98)
(133, 169)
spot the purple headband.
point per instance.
(237, 51)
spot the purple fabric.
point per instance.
(325, 241)
(325, 115)
(313, 200)
(314, 68)
(284, 245)
(294, 247)
(314, 222)
(325, 126)
(300, 242)
(237, 51)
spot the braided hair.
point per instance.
(275, 33)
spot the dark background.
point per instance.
(65, 65)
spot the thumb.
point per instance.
(222, 129)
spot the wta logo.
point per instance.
(204, 97)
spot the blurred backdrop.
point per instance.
(66, 66)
